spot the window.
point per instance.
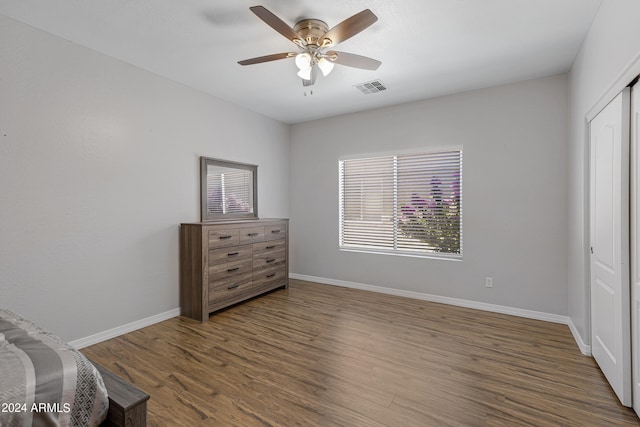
(407, 204)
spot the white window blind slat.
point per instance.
(402, 203)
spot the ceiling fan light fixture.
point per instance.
(325, 66)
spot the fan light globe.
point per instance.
(325, 66)
(305, 74)
(303, 61)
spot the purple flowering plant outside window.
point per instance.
(434, 217)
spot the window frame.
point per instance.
(416, 253)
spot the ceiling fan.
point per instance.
(314, 40)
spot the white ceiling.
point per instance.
(428, 48)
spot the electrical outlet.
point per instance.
(488, 282)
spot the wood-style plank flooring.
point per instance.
(318, 355)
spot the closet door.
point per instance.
(635, 244)
(609, 221)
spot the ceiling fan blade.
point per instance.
(348, 28)
(276, 23)
(267, 58)
(353, 60)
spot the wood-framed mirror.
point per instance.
(228, 190)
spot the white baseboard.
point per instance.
(537, 315)
(584, 348)
(121, 330)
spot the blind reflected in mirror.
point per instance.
(228, 189)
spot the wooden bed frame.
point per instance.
(127, 403)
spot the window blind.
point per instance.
(405, 203)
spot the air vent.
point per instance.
(374, 86)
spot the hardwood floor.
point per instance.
(318, 355)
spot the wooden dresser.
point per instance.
(225, 262)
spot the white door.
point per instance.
(635, 245)
(609, 199)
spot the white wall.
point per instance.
(514, 139)
(610, 47)
(98, 166)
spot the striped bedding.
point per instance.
(44, 381)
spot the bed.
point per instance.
(46, 382)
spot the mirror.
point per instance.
(228, 190)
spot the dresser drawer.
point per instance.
(269, 246)
(268, 274)
(229, 254)
(270, 278)
(229, 291)
(270, 259)
(228, 269)
(275, 231)
(253, 234)
(223, 237)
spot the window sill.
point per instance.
(411, 254)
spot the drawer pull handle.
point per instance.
(270, 275)
(232, 253)
(271, 260)
(271, 247)
(252, 234)
(275, 231)
(233, 269)
(225, 237)
(232, 286)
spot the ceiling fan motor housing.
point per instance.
(310, 30)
